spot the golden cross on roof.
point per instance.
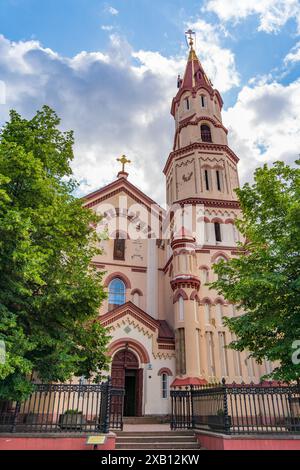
(190, 36)
(123, 160)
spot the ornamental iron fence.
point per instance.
(237, 408)
(68, 408)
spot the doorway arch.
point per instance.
(127, 374)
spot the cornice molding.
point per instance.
(200, 145)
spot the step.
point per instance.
(146, 420)
(141, 438)
(160, 434)
(159, 446)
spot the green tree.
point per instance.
(49, 292)
(264, 280)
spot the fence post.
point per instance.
(106, 423)
(15, 418)
(225, 405)
(192, 406)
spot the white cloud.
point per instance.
(118, 101)
(264, 125)
(273, 14)
(113, 11)
(293, 55)
(107, 27)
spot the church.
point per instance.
(165, 323)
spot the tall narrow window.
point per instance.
(119, 248)
(187, 104)
(210, 354)
(203, 101)
(204, 276)
(181, 308)
(180, 351)
(205, 133)
(223, 354)
(164, 385)
(196, 311)
(268, 366)
(250, 367)
(116, 293)
(198, 350)
(136, 299)
(207, 313)
(219, 312)
(218, 180)
(236, 359)
(206, 180)
(218, 232)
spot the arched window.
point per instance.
(116, 293)
(203, 101)
(164, 385)
(204, 276)
(205, 133)
(181, 308)
(206, 177)
(219, 313)
(207, 313)
(136, 295)
(218, 232)
(218, 179)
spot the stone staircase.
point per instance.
(156, 440)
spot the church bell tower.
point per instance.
(201, 171)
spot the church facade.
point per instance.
(166, 325)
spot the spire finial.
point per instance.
(190, 35)
(123, 160)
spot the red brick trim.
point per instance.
(180, 293)
(137, 291)
(134, 311)
(165, 370)
(218, 300)
(204, 267)
(134, 345)
(216, 255)
(221, 203)
(194, 296)
(118, 275)
(200, 145)
(217, 220)
(206, 300)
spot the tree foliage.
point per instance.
(49, 293)
(264, 281)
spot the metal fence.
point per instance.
(68, 408)
(238, 409)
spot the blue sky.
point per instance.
(250, 49)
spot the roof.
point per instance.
(194, 79)
(165, 333)
(119, 185)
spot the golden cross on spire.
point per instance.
(190, 36)
(123, 160)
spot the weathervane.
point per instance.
(123, 160)
(190, 37)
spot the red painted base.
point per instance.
(220, 442)
(52, 443)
